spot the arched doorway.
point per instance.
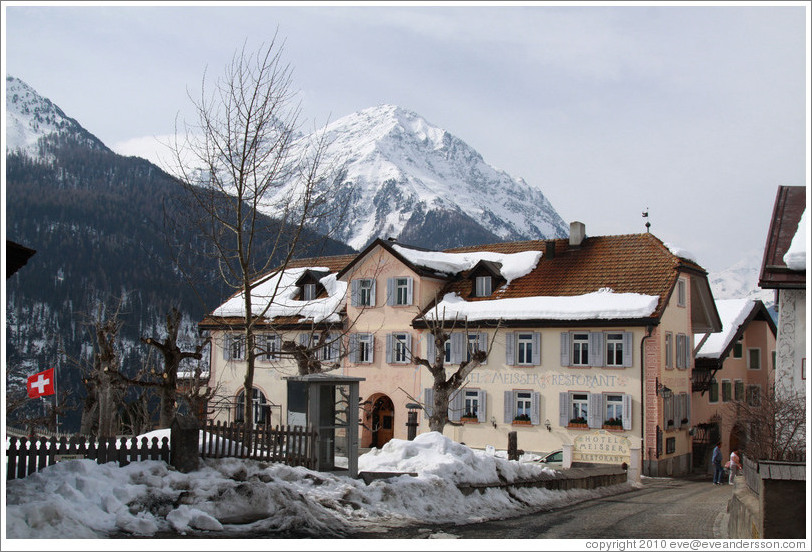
(379, 426)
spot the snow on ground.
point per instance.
(80, 499)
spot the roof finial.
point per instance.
(648, 224)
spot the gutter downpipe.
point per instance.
(649, 329)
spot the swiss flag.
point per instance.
(41, 384)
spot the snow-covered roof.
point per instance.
(281, 288)
(680, 252)
(733, 313)
(514, 265)
(795, 257)
(603, 304)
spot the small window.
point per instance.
(683, 352)
(579, 407)
(737, 349)
(738, 390)
(365, 291)
(681, 293)
(754, 359)
(713, 392)
(271, 347)
(484, 285)
(474, 345)
(580, 349)
(726, 391)
(754, 395)
(614, 410)
(524, 349)
(669, 350)
(401, 291)
(670, 445)
(308, 292)
(471, 406)
(236, 347)
(614, 349)
(400, 351)
(524, 405)
(772, 358)
(260, 407)
(364, 348)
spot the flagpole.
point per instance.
(56, 405)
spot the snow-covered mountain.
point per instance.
(407, 179)
(740, 280)
(30, 118)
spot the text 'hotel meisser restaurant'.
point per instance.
(590, 342)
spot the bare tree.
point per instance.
(774, 426)
(173, 356)
(443, 384)
(242, 162)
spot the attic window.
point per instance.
(308, 292)
(484, 286)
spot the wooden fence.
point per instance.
(751, 476)
(24, 456)
(294, 446)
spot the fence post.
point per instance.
(513, 446)
(184, 453)
(11, 455)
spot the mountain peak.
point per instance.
(31, 117)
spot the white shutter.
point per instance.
(372, 294)
(354, 348)
(428, 400)
(227, 346)
(563, 409)
(371, 348)
(536, 349)
(355, 293)
(688, 408)
(535, 408)
(565, 349)
(304, 339)
(482, 341)
(510, 346)
(389, 346)
(457, 346)
(409, 290)
(508, 407)
(456, 403)
(627, 411)
(390, 291)
(595, 349)
(408, 347)
(431, 348)
(482, 414)
(627, 349)
(595, 413)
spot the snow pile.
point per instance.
(732, 312)
(602, 304)
(681, 253)
(514, 265)
(795, 257)
(81, 499)
(281, 290)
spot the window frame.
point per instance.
(401, 291)
(738, 390)
(682, 292)
(261, 406)
(727, 390)
(613, 341)
(753, 391)
(738, 349)
(751, 355)
(669, 350)
(713, 390)
(400, 353)
(524, 349)
(612, 405)
(471, 396)
(582, 347)
(483, 286)
(366, 288)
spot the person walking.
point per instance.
(734, 465)
(716, 460)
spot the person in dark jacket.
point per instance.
(716, 460)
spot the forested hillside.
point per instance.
(106, 229)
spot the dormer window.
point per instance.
(484, 286)
(308, 292)
(485, 277)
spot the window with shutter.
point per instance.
(524, 349)
(754, 359)
(713, 391)
(669, 350)
(580, 349)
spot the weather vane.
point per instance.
(648, 224)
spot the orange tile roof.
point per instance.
(633, 263)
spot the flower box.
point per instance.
(577, 425)
(522, 422)
(469, 419)
(612, 427)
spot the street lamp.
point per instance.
(662, 390)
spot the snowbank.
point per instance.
(514, 265)
(80, 499)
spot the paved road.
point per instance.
(668, 508)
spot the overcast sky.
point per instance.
(697, 113)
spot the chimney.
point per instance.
(577, 233)
(549, 249)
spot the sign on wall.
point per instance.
(601, 447)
